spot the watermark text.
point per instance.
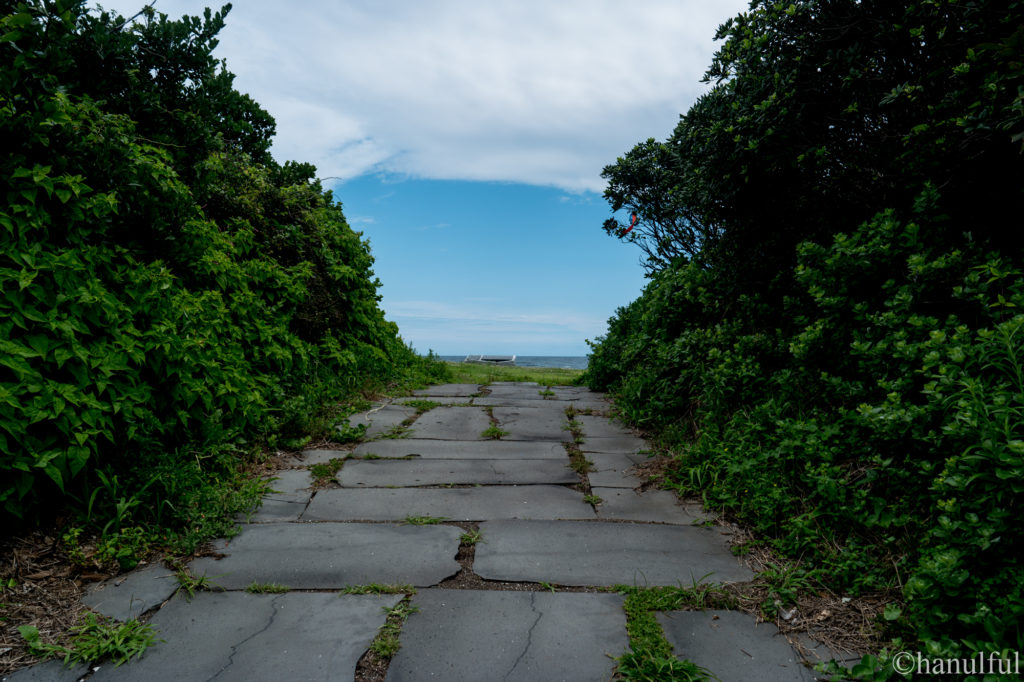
(908, 662)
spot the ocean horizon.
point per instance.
(557, 361)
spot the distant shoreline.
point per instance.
(557, 361)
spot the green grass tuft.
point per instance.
(379, 588)
(266, 588)
(493, 433)
(425, 520)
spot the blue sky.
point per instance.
(492, 267)
(466, 139)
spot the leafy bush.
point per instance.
(171, 296)
(831, 335)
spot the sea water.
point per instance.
(560, 361)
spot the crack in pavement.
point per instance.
(529, 635)
(236, 647)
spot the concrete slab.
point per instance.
(536, 401)
(591, 404)
(510, 387)
(311, 457)
(526, 390)
(450, 390)
(130, 595)
(274, 511)
(575, 553)
(379, 473)
(626, 444)
(611, 470)
(290, 493)
(484, 449)
(48, 671)
(730, 645)
(576, 393)
(381, 420)
(529, 636)
(653, 506)
(534, 423)
(291, 485)
(439, 399)
(457, 504)
(239, 636)
(601, 427)
(452, 423)
(332, 555)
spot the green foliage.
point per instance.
(386, 644)
(326, 471)
(425, 520)
(422, 405)
(192, 584)
(468, 373)
(95, 640)
(471, 537)
(831, 335)
(170, 296)
(379, 588)
(347, 433)
(266, 588)
(493, 432)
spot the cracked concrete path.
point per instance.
(239, 636)
(499, 609)
(492, 635)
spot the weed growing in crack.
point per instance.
(581, 464)
(266, 588)
(650, 655)
(379, 588)
(425, 520)
(386, 644)
(395, 433)
(493, 433)
(471, 537)
(325, 472)
(421, 406)
(192, 584)
(592, 499)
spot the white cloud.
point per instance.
(514, 90)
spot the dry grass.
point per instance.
(842, 624)
(45, 593)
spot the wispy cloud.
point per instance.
(514, 90)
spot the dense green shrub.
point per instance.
(831, 337)
(170, 296)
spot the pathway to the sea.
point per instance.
(501, 546)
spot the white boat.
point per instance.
(491, 359)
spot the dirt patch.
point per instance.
(371, 668)
(40, 588)
(651, 472)
(842, 624)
